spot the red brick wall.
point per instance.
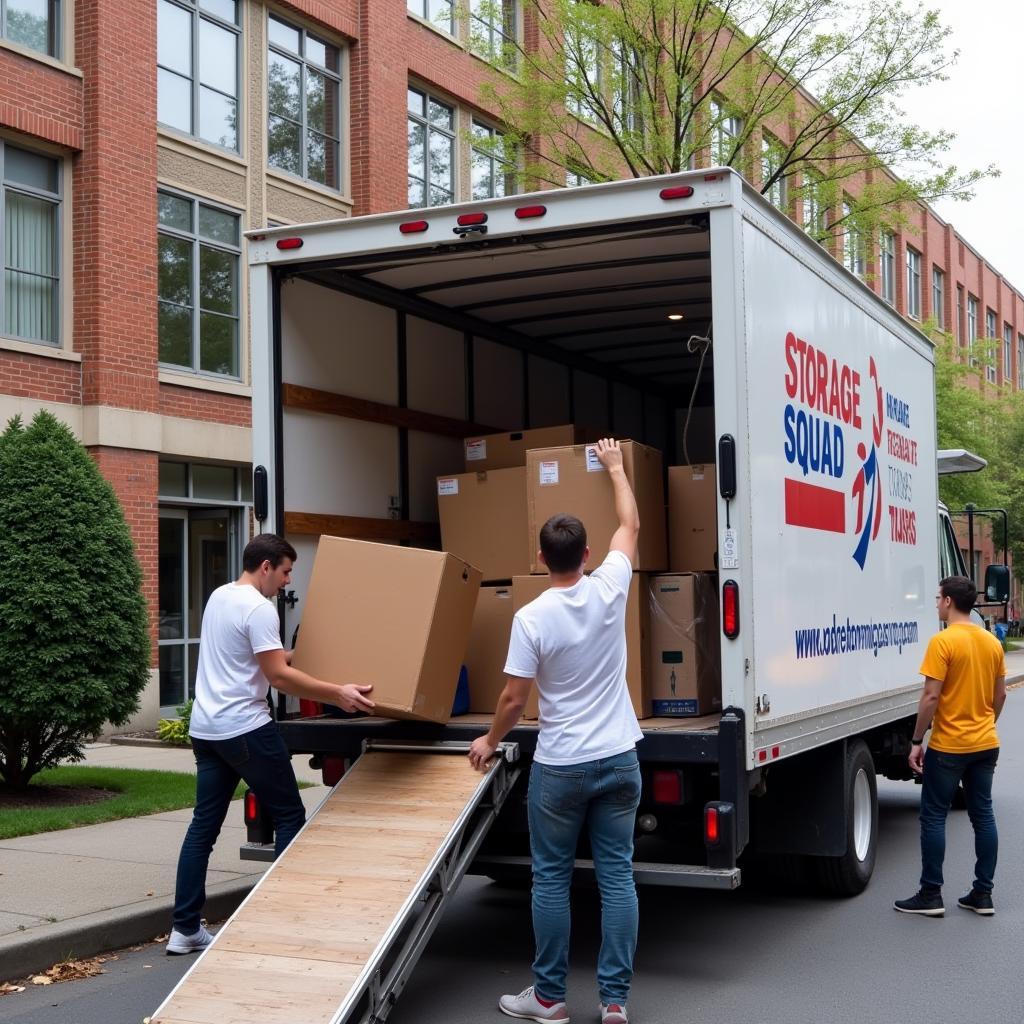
(194, 404)
(115, 205)
(48, 380)
(40, 100)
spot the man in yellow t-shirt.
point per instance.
(964, 692)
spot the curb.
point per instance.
(105, 930)
(142, 741)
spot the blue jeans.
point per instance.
(262, 760)
(942, 774)
(604, 796)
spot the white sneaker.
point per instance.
(527, 1006)
(614, 1013)
(179, 943)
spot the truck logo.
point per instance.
(824, 409)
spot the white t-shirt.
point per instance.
(231, 691)
(572, 640)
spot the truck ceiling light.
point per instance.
(675, 316)
(466, 220)
(677, 192)
(731, 609)
(413, 227)
(527, 212)
(289, 243)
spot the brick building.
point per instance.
(138, 142)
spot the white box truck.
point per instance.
(379, 342)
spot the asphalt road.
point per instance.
(756, 956)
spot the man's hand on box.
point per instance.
(350, 698)
(480, 752)
(609, 454)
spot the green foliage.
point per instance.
(133, 793)
(74, 643)
(175, 730)
(641, 87)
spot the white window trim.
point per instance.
(454, 132)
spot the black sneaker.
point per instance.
(979, 902)
(929, 904)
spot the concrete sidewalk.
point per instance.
(86, 890)
(81, 891)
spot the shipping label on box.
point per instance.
(564, 480)
(685, 677)
(476, 450)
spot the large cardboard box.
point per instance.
(527, 588)
(397, 618)
(684, 658)
(692, 518)
(488, 647)
(572, 480)
(503, 451)
(483, 520)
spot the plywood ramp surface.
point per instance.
(294, 949)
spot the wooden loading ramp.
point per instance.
(332, 931)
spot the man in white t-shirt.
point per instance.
(233, 733)
(571, 641)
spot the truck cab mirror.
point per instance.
(997, 583)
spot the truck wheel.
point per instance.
(849, 874)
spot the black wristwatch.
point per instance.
(917, 743)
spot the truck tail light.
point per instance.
(252, 808)
(731, 609)
(469, 219)
(667, 786)
(677, 192)
(711, 833)
(526, 212)
(332, 769)
(413, 227)
(289, 243)
(310, 708)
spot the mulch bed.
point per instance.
(53, 796)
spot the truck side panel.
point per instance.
(842, 428)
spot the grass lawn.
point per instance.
(137, 792)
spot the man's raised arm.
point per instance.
(624, 539)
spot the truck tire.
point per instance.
(849, 874)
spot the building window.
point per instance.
(972, 327)
(853, 246)
(30, 190)
(303, 104)
(493, 169)
(584, 75)
(197, 69)
(202, 530)
(772, 155)
(887, 266)
(573, 179)
(960, 315)
(913, 283)
(198, 255)
(438, 12)
(939, 298)
(1007, 352)
(1020, 362)
(726, 131)
(991, 338)
(34, 24)
(813, 206)
(492, 30)
(431, 151)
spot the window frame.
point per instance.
(814, 212)
(1020, 361)
(198, 13)
(913, 267)
(338, 79)
(972, 327)
(1007, 351)
(56, 199)
(853, 243)
(887, 266)
(452, 133)
(724, 125)
(421, 13)
(991, 334)
(960, 316)
(939, 297)
(499, 36)
(196, 240)
(778, 193)
(55, 31)
(510, 166)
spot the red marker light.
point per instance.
(466, 220)
(731, 609)
(711, 825)
(252, 808)
(289, 243)
(775, 752)
(667, 786)
(677, 192)
(526, 212)
(413, 227)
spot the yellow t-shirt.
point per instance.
(968, 660)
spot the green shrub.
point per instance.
(175, 730)
(74, 638)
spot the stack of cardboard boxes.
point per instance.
(405, 619)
